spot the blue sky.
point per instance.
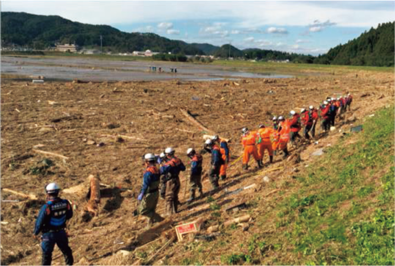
(309, 27)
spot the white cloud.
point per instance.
(165, 25)
(302, 41)
(173, 32)
(318, 26)
(277, 30)
(235, 32)
(247, 14)
(145, 29)
(214, 30)
(249, 39)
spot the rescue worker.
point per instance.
(264, 142)
(348, 101)
(149, 193)
(314, 114)
(294, 124)
(216, 162)
(195, 178)
(162, 159)
(173, 167)
(51, 222)
(307, 121)
(333, 111)
(224, 150)
(248, 141)
(276, 133)
(325, 116)
(284, 136)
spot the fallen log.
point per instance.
(124, 136)
(162, 248)
(95, 188)
(195, 122)
(29, 196)
(51, 154)
(241, 219)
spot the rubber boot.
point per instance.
(200, 193)
(271, 159)
(244, 166)
(223, 177)
(175, 206)
(259, 162)
(286, 153)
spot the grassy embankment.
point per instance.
(339, 210)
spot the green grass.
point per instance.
(291, 68)
(345, 213)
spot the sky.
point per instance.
(308, 27)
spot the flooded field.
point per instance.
(107, 70)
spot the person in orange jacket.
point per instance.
(307, 121)
(284, 135)
(264, 142)
(248, 141)
(294, 124)
(224, 149)
(314, 114)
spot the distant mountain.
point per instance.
(372, 48)
(40, 32)
(228, 50)
(207, 48)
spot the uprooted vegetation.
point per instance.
(298, 214)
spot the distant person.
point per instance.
(307, 122)
(295, 127)
(224, 150)
(314, 114)
(173, 166)
(195, 177)
(284, 135)
(51, 222)
(348, 101)
(149, 194)
(325, 117)
(248, 140)
(216, 162)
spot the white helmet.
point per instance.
(261, 126)
(338, 98)
(328, 100)
(332, 99)
(215, 138)
(292, 112)
(169, 150)
(208, 142)
(311, 107)
(302, 111)
(162, 155)
(244, 130)
(274, 118)
(280, 118)
(190, 150)
(52, 188)
(325, 102)
(149, 157)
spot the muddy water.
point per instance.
(107, 70)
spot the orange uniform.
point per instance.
(264, 142)
(284, 134)
(248, 142)
(224, 149)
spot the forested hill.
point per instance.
(373, 48)
(40, 32)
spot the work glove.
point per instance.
(140, 197)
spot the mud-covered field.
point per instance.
(105, 128)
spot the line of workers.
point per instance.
(165, 182)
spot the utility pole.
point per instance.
(101, 43)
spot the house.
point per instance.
(72, 48)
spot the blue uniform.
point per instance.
(148, 179)
(224, 145)
(51, 222)
(173, 167)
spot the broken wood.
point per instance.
(241, 219)
(29, 196)
(95, 188)
(206, 137)
(124, 136)
(162, 248)
(51, 154)
(195, 122)
(271, 192)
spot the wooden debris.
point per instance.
(195, 122)
(160, 250)
(241, 219)
(29, 196)
(124, 137)
(66, 118)
(51, 154)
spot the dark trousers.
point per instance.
(307, 129)
(214, 175)
(313, 129)
(48, 241)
